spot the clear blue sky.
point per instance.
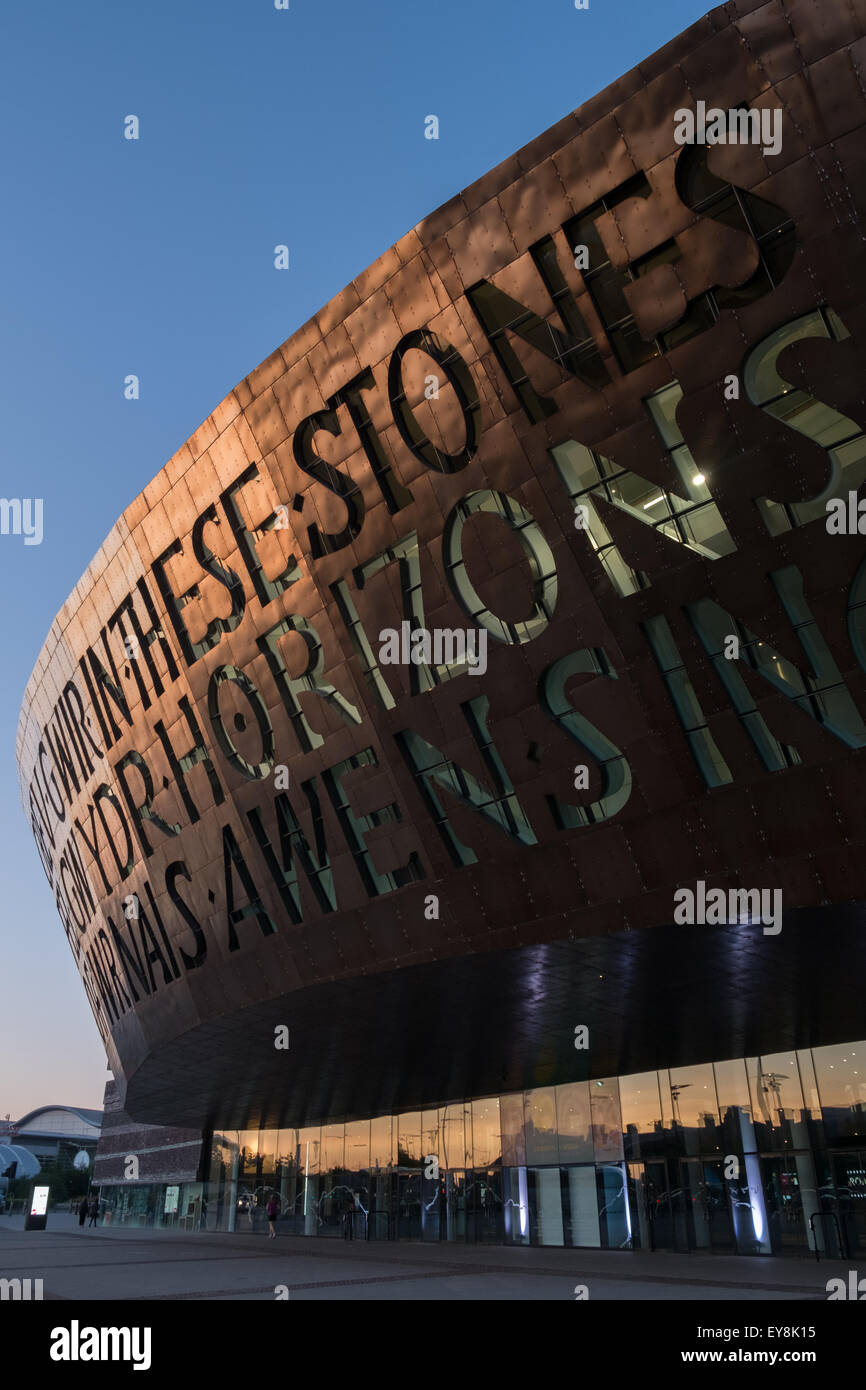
(258, 127)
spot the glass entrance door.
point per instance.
(433, 1207)
(679, 1205)
(381, 1214)
(408, 1206)
(663, 1208)
(708, 1214)
(849, 1181)
(485, 1223)
(783, 1200)
(544, 1192)
(637, 1198)
(614, 1215)
(455, 1205)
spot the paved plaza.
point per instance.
(80, 1263)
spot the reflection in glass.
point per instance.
(709, 1205)
(409, 1139)
(546, 1165)
(513, 1137)
(357, 1146)
(221, 1192)
(582, 1226)
(615, 1217)
(545, 1206)
(809, 1083)
(430, 1141)
(381, 1149)
(288, 1180)
(641, 1111)
(841, 1078)
(515, 1190)
(693, 1095)
(333, 1148)
(774, 1082)
(484, 1205)
(735, 1107)
(453, 1128)
(573, 1123)
(310, 1142)
(432, 1177)
(382, 1183)
(249, 1151)
(606, 1119)
(541, 1138)
(486, 1134)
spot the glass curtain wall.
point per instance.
(753, 1155)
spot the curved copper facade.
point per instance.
(334, 495)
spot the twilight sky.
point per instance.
(155, 257)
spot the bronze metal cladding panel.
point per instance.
(250, 817)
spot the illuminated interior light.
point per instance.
(653, 503)
(698, 479)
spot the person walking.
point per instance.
(82, 1211)
(93, 1209)
(273, 1210)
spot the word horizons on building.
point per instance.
(719, 907)
(450, 648)
(77, 1343)
(76, 741)
(92, 715)
(738, 126)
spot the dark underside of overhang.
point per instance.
(487, 1024)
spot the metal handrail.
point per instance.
(843, 1245)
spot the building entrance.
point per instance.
(680, 1205)
(706, 1205)
(849, 1204)
(783, 1199)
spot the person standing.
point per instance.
(82, 1211)
(93, 1209)
(273, 1210)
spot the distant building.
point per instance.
(56, 1133)
(15, 1160)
